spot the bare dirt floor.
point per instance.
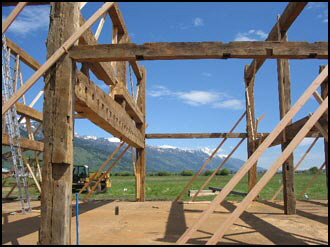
(163, 222)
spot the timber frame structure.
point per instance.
(68, 90)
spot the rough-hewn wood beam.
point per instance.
(292, 130)
(199, 50)
(201, 135)
(106, 113)
(103, 71)
(24, 143)
(131, 106)
(58, 108)
(25, 57)
(29, 112)
(288, 16)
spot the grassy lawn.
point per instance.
(168, 187)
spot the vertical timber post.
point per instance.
(250, 127)
(284, 91)
(141, 152)
(56, 196)
(324, 94)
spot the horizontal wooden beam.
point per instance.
(199, 50)
(292, 129)
(291, 12)
(200, 135)
(24, 143)
(29, 112)
(24, 56)
(106, 113)
(131, 107)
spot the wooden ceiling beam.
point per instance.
(199, 50)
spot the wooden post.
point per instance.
(140, 164)
(58, 111)
(284, 92)
(250, 127)
(324, 94)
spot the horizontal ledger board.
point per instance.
(200, 50)
(102, 110)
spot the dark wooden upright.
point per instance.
(141, 152)
(250, 127)
(56, 212)
(284, 90)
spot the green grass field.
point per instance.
(168, 187)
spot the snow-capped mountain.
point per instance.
(92, 150)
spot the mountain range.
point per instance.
(93, 151)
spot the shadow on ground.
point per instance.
(12, 231)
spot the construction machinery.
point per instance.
(81, 175)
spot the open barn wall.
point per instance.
(118, 113)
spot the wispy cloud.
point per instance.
(198, 22)
(251, 35)
(321, 8)
(212, 99)
(31, 19)
(207, 74)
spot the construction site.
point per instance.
(74, 55)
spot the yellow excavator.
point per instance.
(81, 176)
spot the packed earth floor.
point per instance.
(163, 222)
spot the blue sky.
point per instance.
(197, 95)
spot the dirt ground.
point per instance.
(163, 222)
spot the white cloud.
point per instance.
(251, 35)
(199, 97)
(31, 19)
(198, 22)
(213, 99)
(321, 8)
(234, 104)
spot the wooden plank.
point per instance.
(324, 94)
(284, 95)
(106, 172)
(291, 12)
(251, 128)
(218, 168)
(268, 175)
(140, 164)
(110, 157)
(32, 174)
(58, 123)
(56, 55)
(201, 135)
(292, 130)
(24, 56)
(199, 50)
(322, 130)
(29, 112)
(102, 110)
(100, 26)
(260, 150)
(296, 167)
(207, 161)
(231, 192)
(24, 143)
(12, 16)
(103, 71)
(310, 182)
(192, 193)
